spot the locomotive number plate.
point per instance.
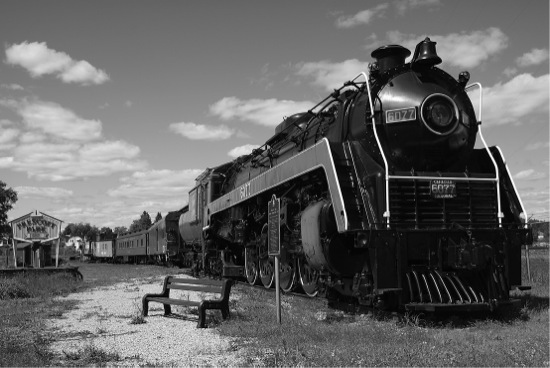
(399, 115)
(443, 188)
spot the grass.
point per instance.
(91, 356)
(311, 334)
(25, 302)
(355, 340)
(137, 317)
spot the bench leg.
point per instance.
(225, 311)
(202, 318)
(144, 307)
(167, 309)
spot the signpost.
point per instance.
(274, 244)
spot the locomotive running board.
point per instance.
(311, 159)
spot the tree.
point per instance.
(143, 223)
(119, 230)
(158, 218)
(8, 197)
(106, 233)
(81, 230)
(540, 227)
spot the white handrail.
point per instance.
(514, 186)
(497, 174)
(386, 167)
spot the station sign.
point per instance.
(36, 227)
(274, 227)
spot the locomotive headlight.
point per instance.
(439, 113)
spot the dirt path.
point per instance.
(105, 326)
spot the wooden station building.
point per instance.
(35, 241)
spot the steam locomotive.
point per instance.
(385, 199)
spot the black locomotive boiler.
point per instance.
(384, 197)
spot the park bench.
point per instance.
(221, 288)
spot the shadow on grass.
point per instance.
(534, 303)
(529, 305)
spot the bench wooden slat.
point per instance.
(193, 303)
(203, 288)
(180, 280)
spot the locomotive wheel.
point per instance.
(309, 278)
(267, 272)
(287, 275)
(251, 266)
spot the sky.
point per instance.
(112, 108)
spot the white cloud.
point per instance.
(64, 161)
(268, 112)
(43, 192)
(39, 60)
(157, 184)
(31, 137)
(8, 138)
(6, 162)
(116, 211)
(510, 71)
(13, 86)
(537, 145)
(331, 75)
(242, 150)
(532, 194)
(83, 72)
(524, 174)
(202, 132)
(362, 17)
(57, 121)
(403, 6)
(514, 101)
(529, 174)
(108, 150)
(55, 144)
(533, 57)
(463, 50)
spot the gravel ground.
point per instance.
(104, 320)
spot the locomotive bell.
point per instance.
(425, 54)
(388, 57)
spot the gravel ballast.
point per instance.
(107, 320)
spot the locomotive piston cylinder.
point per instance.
(324, 247)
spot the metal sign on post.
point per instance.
(274, 244)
